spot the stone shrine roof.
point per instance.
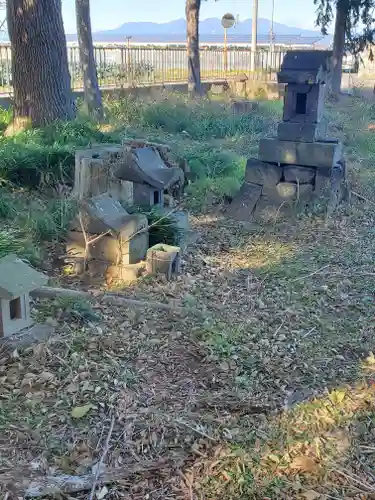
(305, 66)
(17, 277)
(104, 213)
(147, 167)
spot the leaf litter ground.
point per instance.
(267, 393)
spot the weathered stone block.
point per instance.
(301, 132)
(261, 173)
(288, 191)
(299, 174)
(164, 259)
(266, 210)
(243, 204)
(269, 210)
(243, 107)
(311, 154)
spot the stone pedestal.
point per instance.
(300, 163)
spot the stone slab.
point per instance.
(299, 174)
(26, 338)
(288, 192)
(309, 154)
(258, 172)
(300, 132)
(244, 202)
(267, 211)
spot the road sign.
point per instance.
(228, 21)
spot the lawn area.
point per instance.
(261, 387)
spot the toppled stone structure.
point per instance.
(136, 173)
(300, 164)
(107, 239)
(150, 176)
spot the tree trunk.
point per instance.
(41, 80)
(342, 11)
(93, 98)
(194, 70)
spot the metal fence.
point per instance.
(123, 65)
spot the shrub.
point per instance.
(162, 228)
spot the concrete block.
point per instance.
(311, 154)
(164, 259)
(244, 202)
(261, 173)
(288, 192)
(301, 132)
(267, 211)
(299, 174)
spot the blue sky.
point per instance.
(107, 14)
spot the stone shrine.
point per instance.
(136, 173)
(105, 237)
(300, 164)
(17, 280)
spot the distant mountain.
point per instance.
(211, 26)
(210, 31)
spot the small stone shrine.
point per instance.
(300, 164)
(135, 172)
(17, 280)
(150, 176)
(104, 236)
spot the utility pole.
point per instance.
(254, 35)
(272, 36)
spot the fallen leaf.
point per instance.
(337, 396)
(102, 493)
(81, 411)
(304, 464)
(311, 495)
(274, 458)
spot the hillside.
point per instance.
(210, 30)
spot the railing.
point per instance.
(122, 65)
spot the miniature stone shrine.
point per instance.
(17, 280)
(300, 164)
(107, 238)
(164, 259)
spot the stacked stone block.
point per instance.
(300, 164)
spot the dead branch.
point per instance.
(67, 484)
(203, 434)
(360, 197)
(46, 292)
(102, 458)
(311, 274)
